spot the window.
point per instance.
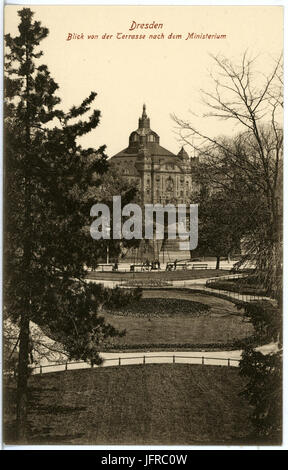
(169, 184)
(151, 138)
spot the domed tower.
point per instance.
(143, 136)
(144, 121)
(161, 177)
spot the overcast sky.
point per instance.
(166, 74)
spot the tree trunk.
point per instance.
(22, 383)
(22, 388)
(218, 262)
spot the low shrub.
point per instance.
(159, 307)
(146, 347)
(241, 285)
(147, 283)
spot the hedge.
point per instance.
(235, 287)
(238, 344)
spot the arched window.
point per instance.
(169, 184)
(151, 138)
(135, 138)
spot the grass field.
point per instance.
(168, 276)
(151, 404)
(219, 322)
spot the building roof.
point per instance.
(183, 154)
(144, 139)
(155, 150)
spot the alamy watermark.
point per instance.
(133, 221)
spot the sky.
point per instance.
(165, 74)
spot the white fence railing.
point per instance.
(136, 360)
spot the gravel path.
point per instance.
(219, 358)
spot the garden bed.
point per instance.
(178, 318)
(161, 307)
(242, 285)
(146, 283)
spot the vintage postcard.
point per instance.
(143, 166)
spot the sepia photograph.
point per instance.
(143, 227)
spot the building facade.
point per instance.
(160, 175)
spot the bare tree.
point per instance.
(250, 163)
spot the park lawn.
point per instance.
(222, 324)
(178, 275)
(156, 404)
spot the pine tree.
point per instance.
(47, 178)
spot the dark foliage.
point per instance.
(48, 196)
(264, 371)
(264, 392)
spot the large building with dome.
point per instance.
(160, 175)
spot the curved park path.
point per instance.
(196, 284)
(219, 358)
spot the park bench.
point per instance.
(106, 267)
(181, 265)
(172, 267)
(200, 266)
(155, 266)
